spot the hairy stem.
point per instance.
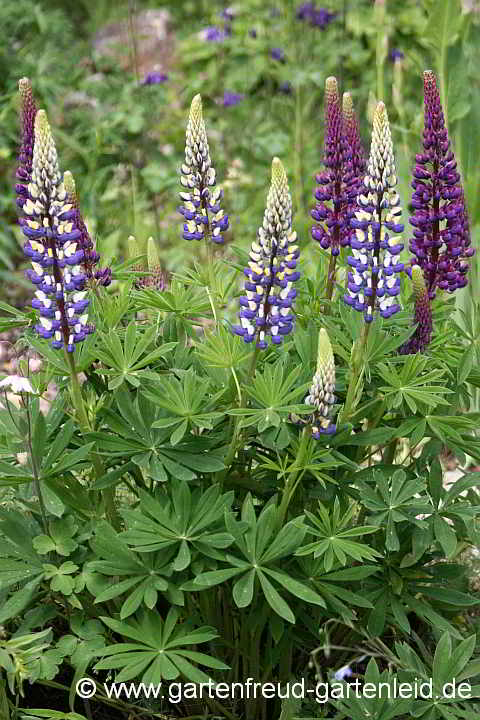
(293, 479)
(36, 476)
(76, 392)
(357, 367)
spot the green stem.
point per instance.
(109, 493)
(390, 451)
(253, 364)
(36, 478)
(211, 276)
(357, 368)
(332, 265)
(293, 478)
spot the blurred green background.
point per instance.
(123, 138)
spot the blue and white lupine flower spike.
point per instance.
(374, 282)
(321, 395)
(52, 246)
(201, 209)
(266, 307)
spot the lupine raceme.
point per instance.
(374, 282)
(321, 395)
(201, 207)
(339, 183)
(28, 113)
(354, 157)
(266, 307)
(423, 315)
(331, 230)
(441, 238)
(53, 247)
(85, 242)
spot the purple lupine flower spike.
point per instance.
(441, 239)
(332, 229)
(29, 111)
(374, 282)
(266, 307)
(423, 316)
(90, 255)
(355, 160)
(201, 207)
(53, 247)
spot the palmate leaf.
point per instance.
(186, 303)
(413, 385)
(393, 500)
(187, 524)
(222, 349)
(126, 362)
(334, 531)
(159, 649)
(134, 438)
(142, 578)
(187, 402)
(261, 546)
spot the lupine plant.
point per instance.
(207, 497)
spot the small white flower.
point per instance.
(17, 383)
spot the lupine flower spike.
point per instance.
(266, 307)
(423, 315)
(374, 282)
(29, 111)
(321, 394)
(332, 230)
(53, 247)
(90, 255)
(355, 160)
(135, 252)
(201, 209)
(441, 237)
(157, 278)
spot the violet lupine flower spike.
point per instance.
(266, 307)
(29, 111)
(441, 241)
(332, 229)
(52, 246)
(355, 160)
(423, 315)
(321, 393)
(201, 205)
(85, 242)
(374, 282)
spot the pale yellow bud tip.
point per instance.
(418, 281)
(24, 85)
(347, 102)
(196, 107)
(325, 352)
(69, 183)
(278, 172)
(331, 83)
(152, 254)
(41, 120)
